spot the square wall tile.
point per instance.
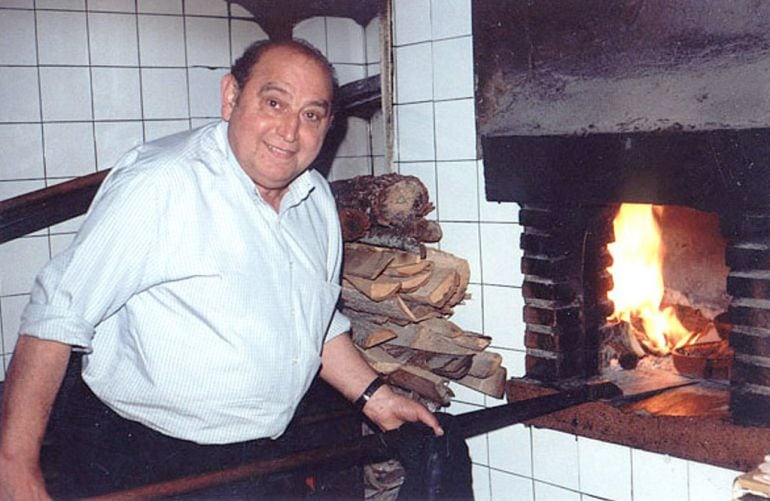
(205, 97)
(605, 469)
(356, 141)
(313, 31)
(69, 149)
(414, 78)
(11, 308)
(112, 5)
(24, 4)
(114, 139)
(161, 41)
(20, 261)
(411, 20)
(345, 39)
(555, 458)
(453, 68)
(464, 395)
(17, 44)
(21, 147)
(415, 132)
(468, 314)
(514, 361)
(160, 6)
(113, 39)
(554, 493)
(208, 41)
(508, 487)
(347, 73)
(205, 7)
(242, 34)
(500, 254)
(348, 167)
(62, 37)
(462, 240)
(372, 35)
(450, 18)
(116, 94)
(457, 191)
(19, 98)
(481, 483)
(61, 4)
(66, 93)
(157, 101)
(510, 450)
(504, 317)
(155, 129)
(710, 483)
(658, 476)
(455, 130)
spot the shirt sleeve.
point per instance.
(339, 323)
(110, 259)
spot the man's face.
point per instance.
(278, 121)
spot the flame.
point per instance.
(637, 273)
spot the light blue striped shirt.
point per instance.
(203, 311)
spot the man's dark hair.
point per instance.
(241, 69)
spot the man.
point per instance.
(202, 288)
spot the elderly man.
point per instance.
(202, 290)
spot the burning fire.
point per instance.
(638, 276)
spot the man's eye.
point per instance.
(312, 115)
(272, 103)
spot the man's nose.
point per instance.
(289, 127)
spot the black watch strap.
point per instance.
(368, 392)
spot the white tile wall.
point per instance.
(83, 82)
(435, 140)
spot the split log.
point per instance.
(393, 240)
(395, 309)
(419, 337)
(484, 364)
(376, 290)
(423, 382)
(368, 334)
(473, 341)
(408, 270)
(365, 261)
(441, 364)
(493, 385)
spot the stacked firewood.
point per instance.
(399, 293)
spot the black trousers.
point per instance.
(97, 451)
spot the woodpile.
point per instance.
(400, 294)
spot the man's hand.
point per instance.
(21, 482)
(389, 410)
(345, 369)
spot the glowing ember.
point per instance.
(637, 273)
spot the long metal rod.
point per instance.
(377, 447)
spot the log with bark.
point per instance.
(387, 211)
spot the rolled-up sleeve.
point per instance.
(109, 260)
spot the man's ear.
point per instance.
(230, 90)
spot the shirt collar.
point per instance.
(299, 189)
